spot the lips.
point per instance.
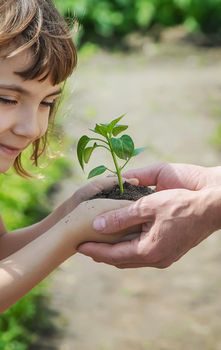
(11, 147)
(10, 150)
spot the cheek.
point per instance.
(44, 126)
(44, 129)
(5, 120)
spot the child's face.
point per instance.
(24, 108)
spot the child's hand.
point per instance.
(78, 225)
(89, 190)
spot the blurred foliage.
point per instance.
(23, 322)
(112, 19)
(23, 202)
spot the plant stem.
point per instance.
(101, 146)
(120, 180)
(96, 139)
(125, 164)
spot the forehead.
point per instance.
(16, 63)
(19, 63)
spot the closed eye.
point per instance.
(7, 101)
(48, 104)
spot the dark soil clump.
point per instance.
(132, 193)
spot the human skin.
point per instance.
(29, 254)
(24, 108)
(10, 243)
(22, 270)
(184, 211)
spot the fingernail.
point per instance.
(99, 224)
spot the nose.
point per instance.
(28, 124)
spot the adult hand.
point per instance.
(173, 220)
(176, 175)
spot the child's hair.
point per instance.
(37, 25)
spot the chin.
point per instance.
(5, 167)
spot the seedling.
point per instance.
(119, 147)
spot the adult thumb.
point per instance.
(120, 219)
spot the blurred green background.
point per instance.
(107, 21)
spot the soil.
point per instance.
(171, 95)
(131, 192)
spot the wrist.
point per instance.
(210, 207)
(69, 205)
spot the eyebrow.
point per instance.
(23, 91)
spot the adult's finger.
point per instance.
(121, 255)
(147, 176)
(135, 265)
(157, 265)
(110, 254)
(128, 216)
(135, 252)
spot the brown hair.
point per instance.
(37, 25)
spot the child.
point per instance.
(36, 57)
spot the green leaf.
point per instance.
(104, 124)
(88, 152)
(97, 171)
(138, 151)
(100, 129)
(123, 147)
(82, 143)
(114, 122)
(118, 129)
